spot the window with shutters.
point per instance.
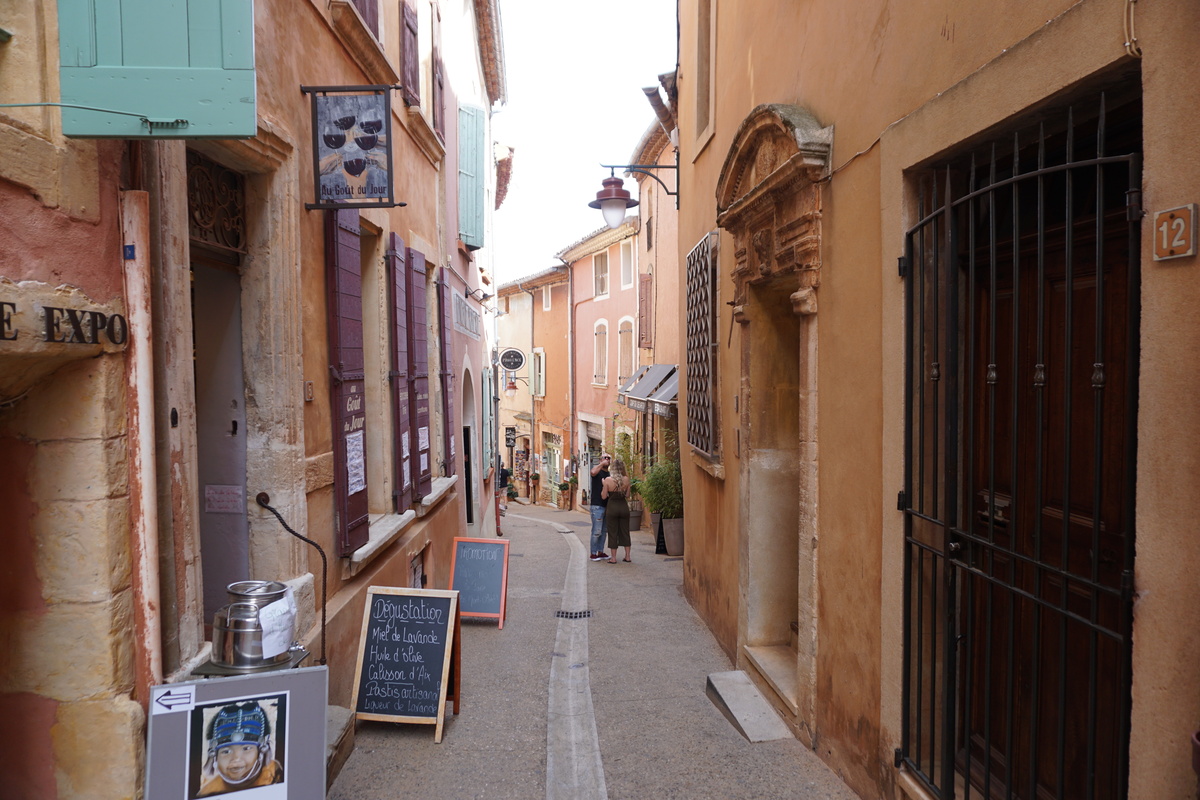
(627, 270)
(648, 232)
(417, 303)
(470, 176)
(600, 357)
(625, 350)
(701, 302)
(537, 372)
(398, 374)
(369, 11)
(600, 274)
(705, 83)
(194, 71)
(410, 55)
(348, 379)
(446, 347)
(646, 310)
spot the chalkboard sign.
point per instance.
(404, 655)
(479, 572)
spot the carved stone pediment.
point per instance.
(768, 198)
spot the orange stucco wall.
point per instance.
(899, 89)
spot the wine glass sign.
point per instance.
(352, 157)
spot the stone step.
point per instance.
(339, 740)
(742, 704)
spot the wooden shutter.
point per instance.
(439, 95)
(470, 176)
(189, 60)
(410, 55)
(398, 376)
(447, 371)
(348, 386)
(646, 311)
(488, 394)
(369, 11)
(418, 374)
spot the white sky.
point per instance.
(575, 71)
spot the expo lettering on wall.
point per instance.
(61, 325)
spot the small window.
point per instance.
(702, 339)
(600, 274)
(545, 298)
(624, 351)
(706, 31)
(537, 371)
(627, 264)
(600, 359)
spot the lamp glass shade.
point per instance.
(613, 210)
(510, 391)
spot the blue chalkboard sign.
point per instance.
(479, 573)
(404, 656)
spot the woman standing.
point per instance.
(616, 486)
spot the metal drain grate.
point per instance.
(573, 614)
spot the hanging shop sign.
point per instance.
(351, 146)
(512, 359)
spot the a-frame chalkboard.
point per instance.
(479, 572)
(408, 656)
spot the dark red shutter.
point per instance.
(645, 311)
(418, 375)
(369, 11)
(447, 371)
(410, 55)
(401, 430)
(348, 389)
(439, 95)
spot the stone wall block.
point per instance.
(98, 750)
(82, 399)
(89, 469)
(83, 550)
(73, 651)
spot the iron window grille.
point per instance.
(702, 433)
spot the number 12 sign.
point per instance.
(1175, 232)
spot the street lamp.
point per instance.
(613, 200)
(510, 390)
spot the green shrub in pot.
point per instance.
(662, 489)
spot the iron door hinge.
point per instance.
(898, 757)
(902, 266)
(902, 500)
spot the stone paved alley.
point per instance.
(646, 658)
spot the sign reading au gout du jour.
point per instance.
(351, 146)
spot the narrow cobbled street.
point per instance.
(608, 706)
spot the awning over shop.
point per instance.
(652, 379)
(629, 384)
(662, 402)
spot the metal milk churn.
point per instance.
(237, 632)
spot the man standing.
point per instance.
(598, 503)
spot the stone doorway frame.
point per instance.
(769, 201)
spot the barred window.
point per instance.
(701, 346)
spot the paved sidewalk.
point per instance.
(642, 681)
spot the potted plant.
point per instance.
(662, 489)
(635, 504)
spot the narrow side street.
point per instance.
(638, 689)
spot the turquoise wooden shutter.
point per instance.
(489, 391)
(470, 176)
(160, 61)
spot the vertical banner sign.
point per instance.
(351, 146)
